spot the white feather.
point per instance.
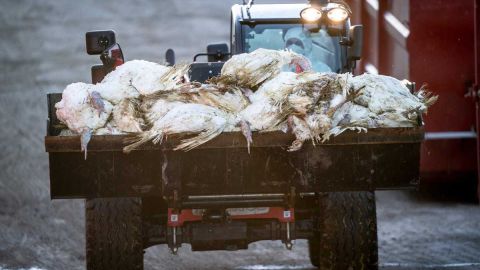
(77, 112)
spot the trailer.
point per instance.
(221, 197)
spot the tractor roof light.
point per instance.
(311, 14)
(337, 14)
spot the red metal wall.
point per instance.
(432, 42)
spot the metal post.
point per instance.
(288, 242)
(174, 240)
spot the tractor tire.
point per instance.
(114, 233)
(346, 236)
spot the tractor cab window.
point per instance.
(322, 49)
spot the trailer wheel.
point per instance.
(114, 233)
(346, 236)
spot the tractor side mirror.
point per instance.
(355, 35)
(99, 41)
(217, 52)
(170, 57)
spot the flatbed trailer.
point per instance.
(219, 196)
(379, 159)
(191, 197)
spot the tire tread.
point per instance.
(113, 233)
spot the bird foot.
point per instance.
(352, 93)
(296, 145)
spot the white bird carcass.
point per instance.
(383, 94)
(155, 101)
(187, 119)
(382, 102)
(252, 69)
(83, 110)
(159, 109)
(231, 99)
(138, 77)
(314, 101)
(352, 116)
(126, 117)
(227, 98)
(268, 106)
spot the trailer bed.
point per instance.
(379, 159)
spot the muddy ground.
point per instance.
(42, 50)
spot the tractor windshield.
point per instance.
(322, 49)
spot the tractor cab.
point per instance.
(320, 30)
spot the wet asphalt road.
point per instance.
(42, 50)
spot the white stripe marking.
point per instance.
(373, 4)
(396, 24)
(397, 265)
(32, 268)
(428, 266)
(449, 135)
(273, 267)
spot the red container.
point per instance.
(432, 42)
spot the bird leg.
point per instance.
(351, 95)
(247, 132)
(84, 139)
(339, 130)
(290, 123)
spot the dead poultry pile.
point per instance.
(261, 91)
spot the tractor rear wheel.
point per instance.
(346, 235)
(114, 233)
